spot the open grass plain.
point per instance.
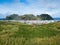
(16, 33)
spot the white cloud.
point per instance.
(34, 7)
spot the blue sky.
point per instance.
(35, 7)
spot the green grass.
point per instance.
(15, 33)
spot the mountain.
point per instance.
(29, 17)
(45, 17)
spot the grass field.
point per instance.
(15, 33)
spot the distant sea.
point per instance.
(2, 19)
(56, 18)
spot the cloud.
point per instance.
(32, 6)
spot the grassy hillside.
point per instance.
(14, 33)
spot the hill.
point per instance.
(29, 17)
(45, 17)
(15, 33)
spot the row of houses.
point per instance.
(37, 21)
(33, 21)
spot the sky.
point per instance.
(36, 7)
